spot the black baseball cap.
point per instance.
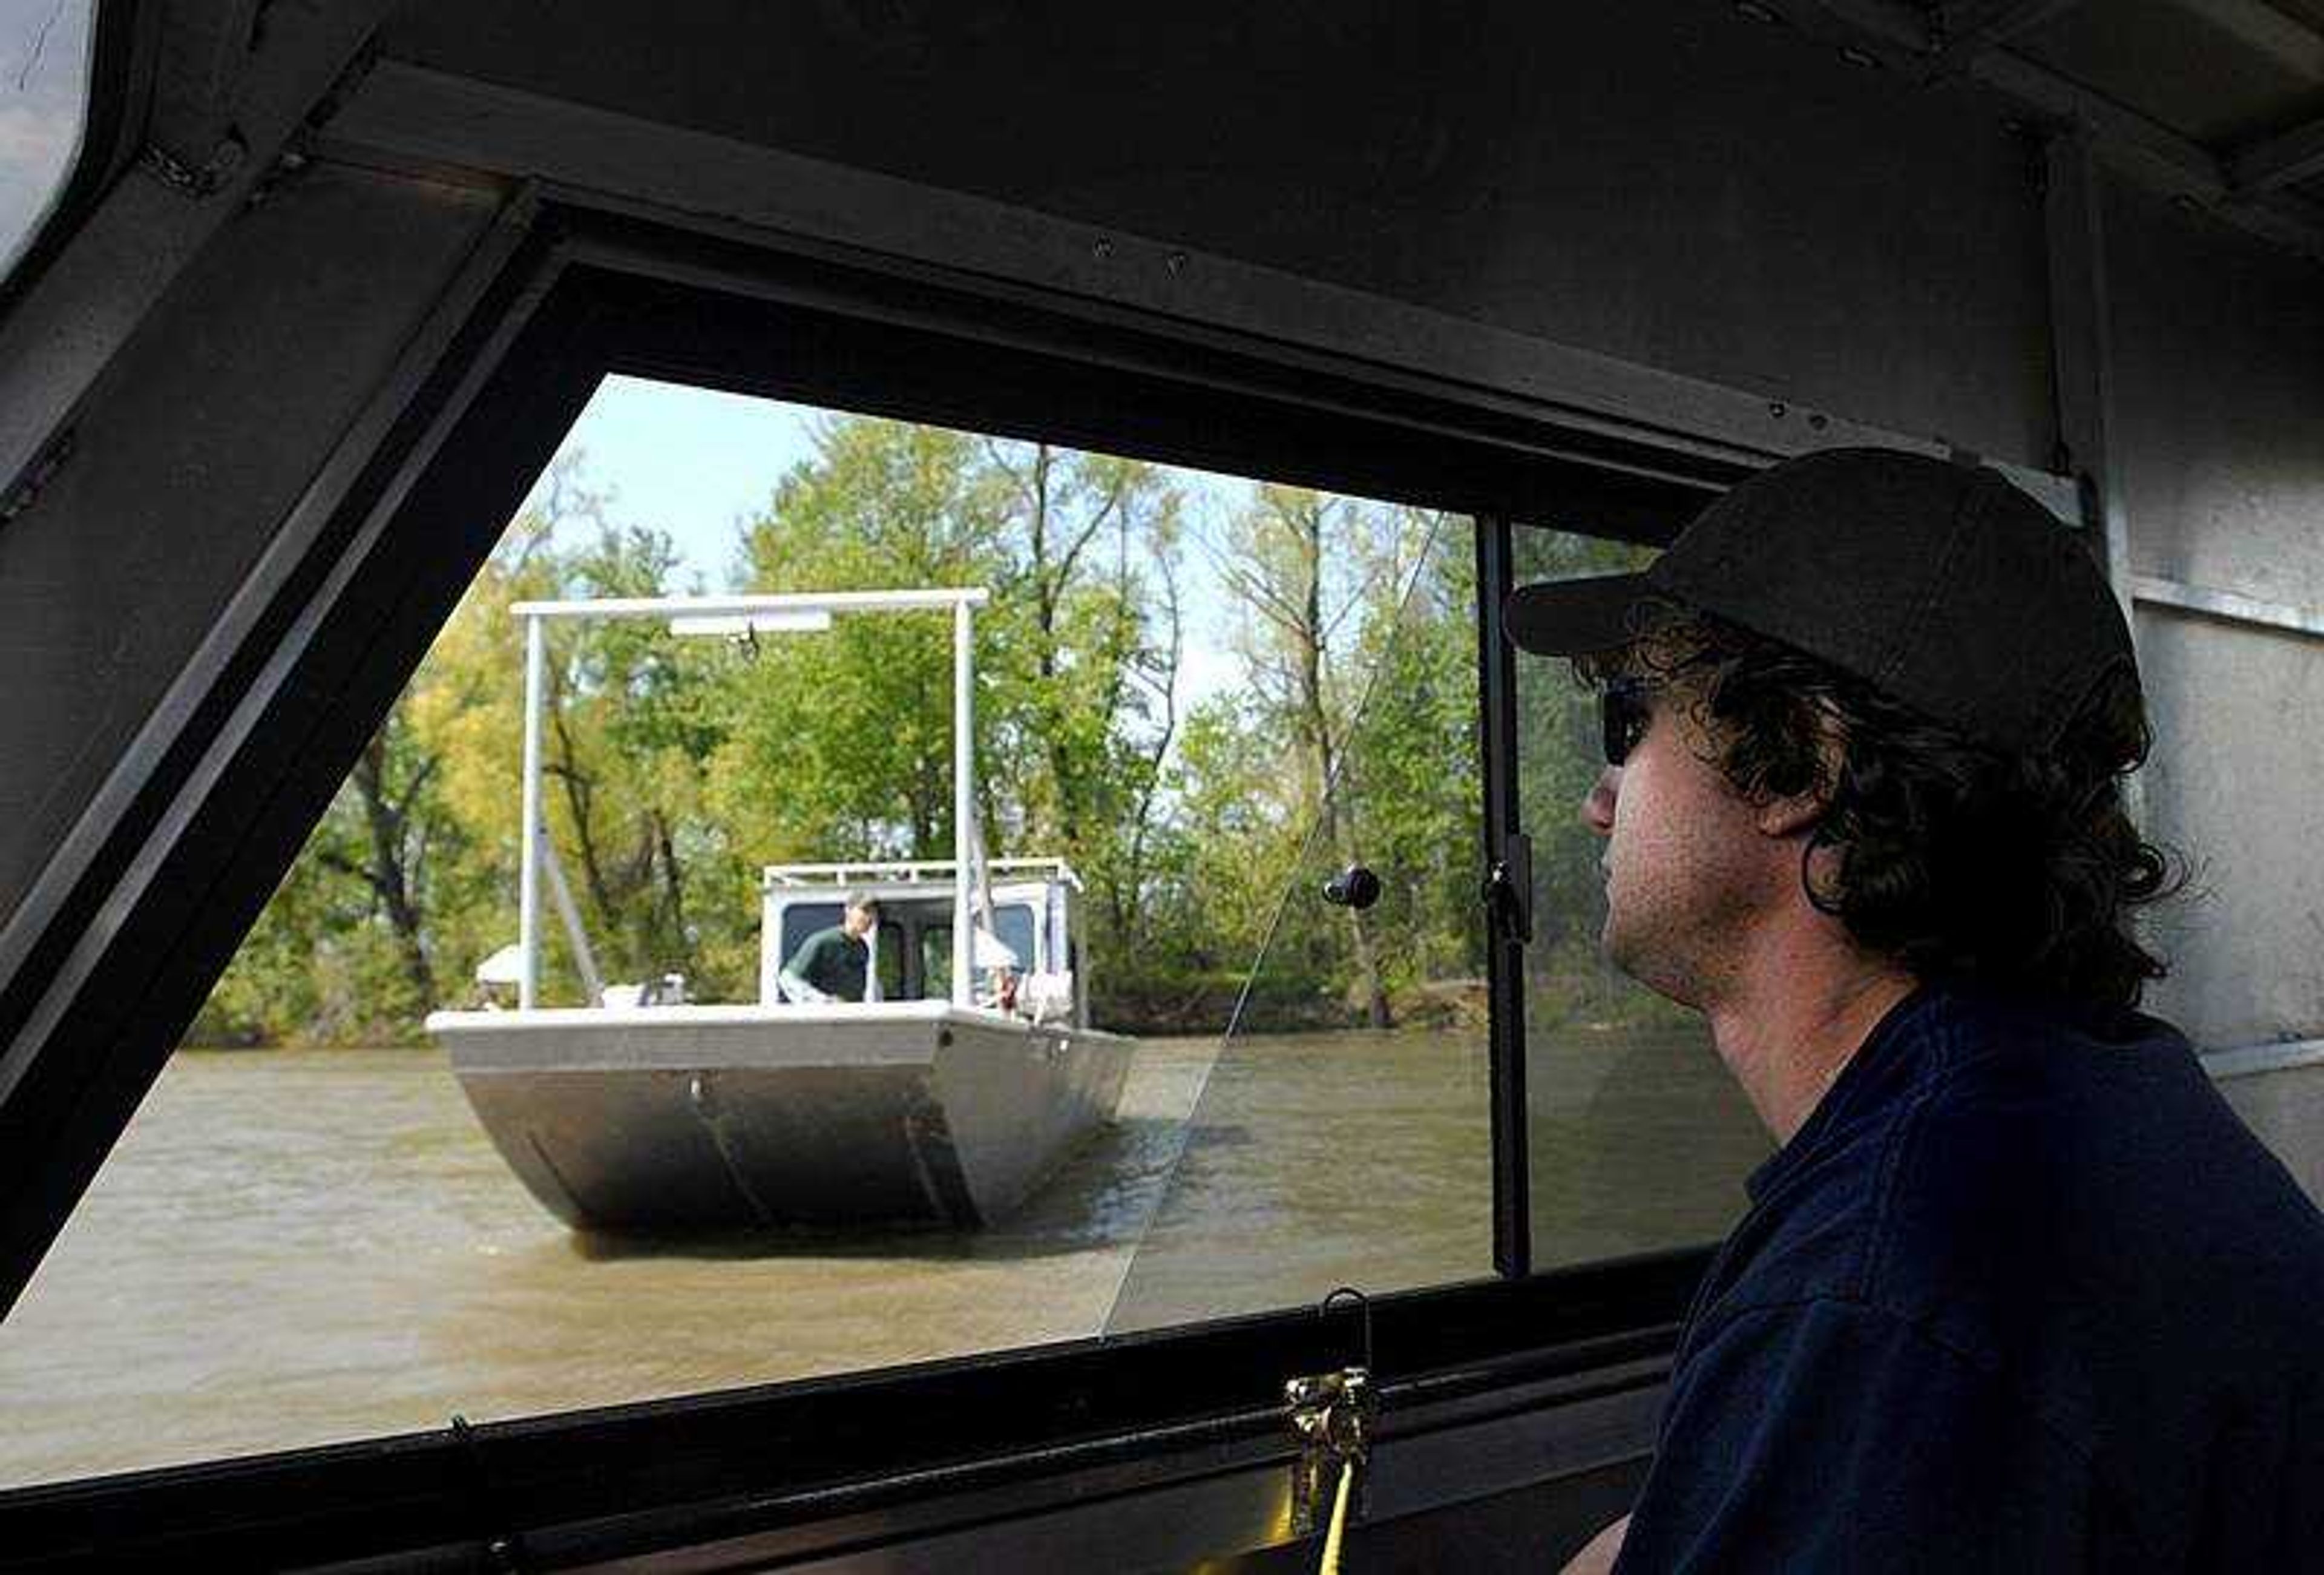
(1939, 583)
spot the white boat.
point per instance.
(946, 1097)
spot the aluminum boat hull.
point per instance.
(706, 1118)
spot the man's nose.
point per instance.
(1598, 804)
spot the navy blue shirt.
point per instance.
(2022, 1293)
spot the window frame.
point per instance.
(578, 295)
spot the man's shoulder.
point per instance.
(2011, 1157)
(2055, 1133)
(829, 941)
(2069, 1201)
(2058, 1209)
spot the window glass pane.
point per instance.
(936, 961)
(1342, 1137)
(887, 957)
(44, 64)
(328, 1222)
(1013, 924)
(802, 919)
(1637, 1138)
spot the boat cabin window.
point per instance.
(498, 1114)
(889, 949)
(1012, 923)
(45, 58)
(913, 941)
(802, 919)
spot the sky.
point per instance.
(693, 461)
(44, 91)
(696, 463)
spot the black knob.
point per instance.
(1354, 886)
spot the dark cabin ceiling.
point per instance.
(2219, 103)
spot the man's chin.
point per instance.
(1638, 964)
(1615, 954)
(1615, 943)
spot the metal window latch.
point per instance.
(1332, 1415)
(1508, 890)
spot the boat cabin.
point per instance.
(299, 304)
(1034, 906)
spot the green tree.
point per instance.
(631, 719)
(675, 768)
(1412, 766)
(1285, 547)
(839, 745)
(1088, 636)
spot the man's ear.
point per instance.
(1794, 813)
(1783, 817)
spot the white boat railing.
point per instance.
(753, 614)
(910, 871)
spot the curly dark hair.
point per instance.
(1958, 860)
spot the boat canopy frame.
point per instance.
(534, 851)
(916, 871)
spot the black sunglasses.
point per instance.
(1624, 706)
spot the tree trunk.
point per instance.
(1336, 829)
(392, 881)
(674, 891)
(1129, 907)
(1048, 591)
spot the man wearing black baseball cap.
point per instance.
(2017, 1290)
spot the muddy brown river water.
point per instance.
(297, 1248)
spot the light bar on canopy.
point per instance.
(736, 626)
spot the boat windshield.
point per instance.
(802, 919)
(1012, 925)
(45, 55)
(914, 941)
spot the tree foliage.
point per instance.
(1339, 725)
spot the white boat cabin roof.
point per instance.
(929, 872)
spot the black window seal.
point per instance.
(595, 295)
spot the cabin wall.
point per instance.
(2218, 362)
(189, 453)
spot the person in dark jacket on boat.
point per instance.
(834, 964)
(2017, 1290)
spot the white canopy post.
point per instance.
(963, 802)
(528, 908)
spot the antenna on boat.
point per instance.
(535, 830)
(964, 802)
